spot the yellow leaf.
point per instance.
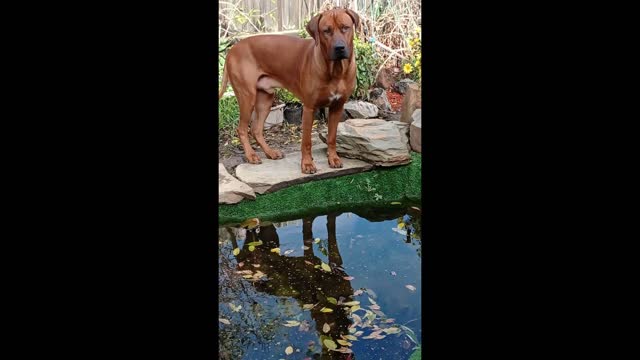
(250, 223)
(351, 303)
(326, 267)
(401, 225)
(276, 250)
(344, 342)
(332, 300)
(355, 307)
(396, 203)
(350, 337)
(236, 251)
(330, 344)
(251, 248)
(288, 350)
(326, 310)
(326, 328)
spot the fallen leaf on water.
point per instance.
(330, 344)
(316, 240)
(235, 308)
(224, 321)
(240, 264)
(348, 278)
(391, 330)
(307, 306)
(350, 337)
(305, 248)
(326, 267)
(255, 243)
(247, 276)
(374, 307)
(255, 265)
(358, 333)
(344, 342)
(344, 350)
(288, 350)
(394, 273)
(250, 223)
(354, 308)
(416, 208)
(357, 319)
(372, 293)
(326, 310)
(291, 323)
(352, 329)
(411, 287)
(371, 301)
(308, 262)
(351, 303)
(396, 203)
(304, 326)
(236, 251)
(357, 292)
(389, 321)
(251, 248)
(288, 252)
(401, 225)
(326, 328)
(275, 250)
(332, 300)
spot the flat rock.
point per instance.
(361, 109)
(376, 141)
(416, 131)
(230, 189)
(273, 175)
(403, 128)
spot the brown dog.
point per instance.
(320, 72)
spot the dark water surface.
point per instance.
(261, 291)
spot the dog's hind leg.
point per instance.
(264, 101)
(246, 102)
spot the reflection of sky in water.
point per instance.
(370, 252)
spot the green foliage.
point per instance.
(367, 67)
(416, 355)
(285, 96)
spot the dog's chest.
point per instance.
(334, 93)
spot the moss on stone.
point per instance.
(376, 188)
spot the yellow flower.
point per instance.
(407, 68)
(417, 63)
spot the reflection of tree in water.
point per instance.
(300, 278)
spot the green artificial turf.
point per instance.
(376, 188)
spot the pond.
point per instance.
(334, 286)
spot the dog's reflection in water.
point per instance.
(297, 277)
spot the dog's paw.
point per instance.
(334, 161)
(253, 158)
(274, 154)
(308, 167)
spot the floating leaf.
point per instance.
(354, 308)
(255, 243)
(352, 329)
(236, 251)
(307, 306)
(240, 264)
(372, 301)
(304, 326)
(356, 319)
(326, 310)
(308, 262)
(224, 321)
(316, 240)
(372, 293)
(394, 273)
(251, 248)
(235, 308)
(389, 321)
(374, 307)
(247, 276)
(326, 267)
(401, 225)
(351, 303)
(344, 342)
(344, 350)
(305, 248)
(415, 208)
(348, 278)
(350, 337)
(358, 333)
(391, 330)
(357, 292)
(288, 350)
(326, 328)
(292, 323)
(250, 223)
(396, 203)
(330, 344)
(288, 252)
(332, 300)
(411, 287)
(275, 250)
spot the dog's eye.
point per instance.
(326, 31)
(345, 28)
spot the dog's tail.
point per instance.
(225, 81)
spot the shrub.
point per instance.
(367, 62)
(285, 96)
(413, 67)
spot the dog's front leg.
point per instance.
(335, 115)
(308, 167)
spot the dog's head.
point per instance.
(333, 31)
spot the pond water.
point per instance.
(296, 289)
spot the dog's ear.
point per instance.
(312, 27)
(354, 17)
